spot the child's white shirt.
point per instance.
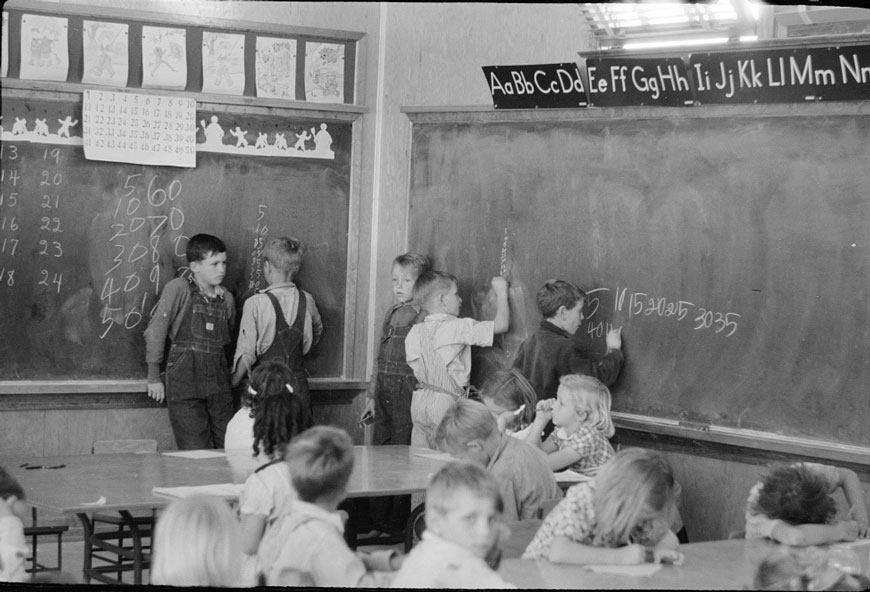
(13, 550)
(438, 563)
(452, 336)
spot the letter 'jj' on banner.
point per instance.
(545, 86)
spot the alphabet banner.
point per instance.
(783, 76)
(628, 82)
(543, 86)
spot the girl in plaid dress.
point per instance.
(581, 414)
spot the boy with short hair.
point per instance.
(463, 510)
(470, 432)
(306, 547)
(13, 547)
(438, 348)
(195, 313)
(551, 352)
(278, 323)
(388, 401)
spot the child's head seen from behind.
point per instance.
(437, 292)
(404, 273)
(464, 506)
(279, 413)
(468, 431)
(321, 462)
(561, 303)
(196, 543)
(504, 393)
(796, 495)
(634, 492)
(583, 401)
(284, 258)
(12, 494)
(207, 259)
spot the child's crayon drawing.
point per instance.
(324, 72)
(223, 63)
(4, 46)
(164, 58)
(105, 53)
(276, 68)
(44, 48)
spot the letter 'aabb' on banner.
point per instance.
(545, 86)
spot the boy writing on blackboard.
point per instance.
(438, 351)
(551, 352)
(195, 313)
(280, 322)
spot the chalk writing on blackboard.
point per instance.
(137, 229)
(260, 233)
(637, 304)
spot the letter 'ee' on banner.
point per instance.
(840, 73)
(632, 81)
(545, 86)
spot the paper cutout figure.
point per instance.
(280, 141)
(65, 124)
(323, 141)
(262, 140)
(214, 133)
(300, 140)
(241, 141)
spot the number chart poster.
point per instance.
(144, 129)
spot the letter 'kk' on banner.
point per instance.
(545, 86)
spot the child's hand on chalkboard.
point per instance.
(156, 391)
(614, 339)
(499, 285)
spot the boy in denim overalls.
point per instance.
(280, 322)
(388, 401)
(195, 313)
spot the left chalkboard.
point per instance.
(87, 246)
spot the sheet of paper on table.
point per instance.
(230, 491)
(640, 570)
(196, 454)
(572, 476)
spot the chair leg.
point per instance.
(88, 528)
(138, 564)
(409, 526)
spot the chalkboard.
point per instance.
(734, 250)
(86, 246)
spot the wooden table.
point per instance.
(722, 565)
(125, 481)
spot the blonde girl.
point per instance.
(196, 543)
(511, 399)
(619, 517)
(581, 414)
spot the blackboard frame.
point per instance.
(130, 393)
(700, 433)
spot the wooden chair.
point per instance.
(415, 526)
(111, 546)
(33, 532)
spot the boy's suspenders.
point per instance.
(283, 347)
(436, 369)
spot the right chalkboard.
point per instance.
(733, 248)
